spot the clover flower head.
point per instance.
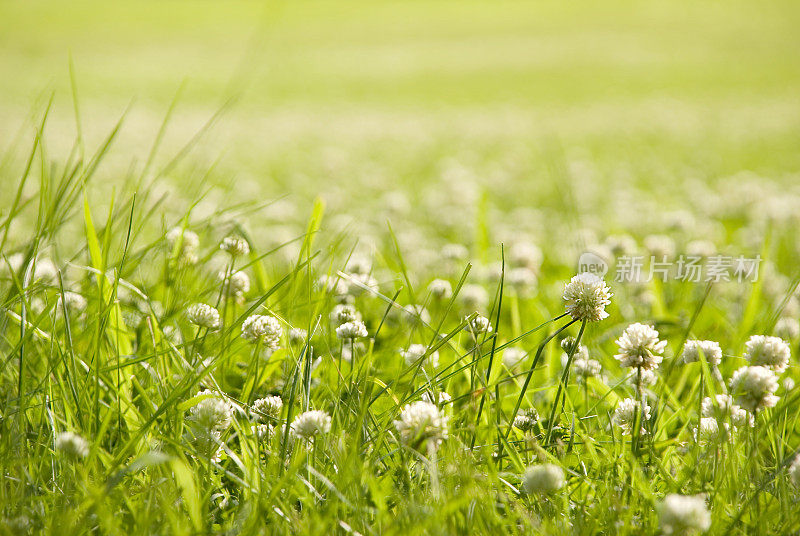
(640, 347)
(422, 426)
(204, 316)
(545, 478)
(586, 296)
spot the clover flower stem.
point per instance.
(224, 291)
(638, 416)
(530, 375)
(352, 356)
(563, 382)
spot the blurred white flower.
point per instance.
(787, 328)
(526, 419)
(626, 413)
(440, 289)
(513, 356)
(72, 445)
(544, 478)
(75, 302)
(343, 313)
(297, 335)
(421, 426)
(683, 514)
(187, 243)
(794, 472)
(473, 296)
(710, 349)
(212, 413)
(235, 246)
(722, 409)
(310, 424)
(415, 352)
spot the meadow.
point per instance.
(440, 267)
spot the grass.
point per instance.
(332, 135)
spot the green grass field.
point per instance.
(425, 168)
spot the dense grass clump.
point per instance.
(185, 374)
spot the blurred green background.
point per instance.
(675, 82)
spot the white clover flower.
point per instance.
(626, 412)
(235, 246)
(639, 347)
(567, 343)
(213, 413)
(473, 296)
(701, 248)
(788, 384)
(343, 313)
(45, 270)
(15, 262)
(643, 377)
(203, 315)
(513, 356)
(454, 252)
(310, 424)
(586, 297)
(722, 408)
(683, 514)
(358, 284)
(787, 328)
(526, 419)
(581, 353)
(754, 388)
(297, 335)
(422, 426)
(659, 246)
(359, 265)
(72, 445)
(710, 349)
(189, 242)
(347, 351)
(269, 407)
(477, 325)
(442, 400)
(544, 478)
(415, 314)
(415, 352)
(74, 302)
(333, 284)
(586, 368)
(794, 472)
(772, 352)
(262, 431)
(263, 329)
(525, 254)
(236, 284)
(352, 330)
(709, 431)
(441, 289)
(521, 278)
(621, 244)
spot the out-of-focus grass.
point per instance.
(572, 69)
